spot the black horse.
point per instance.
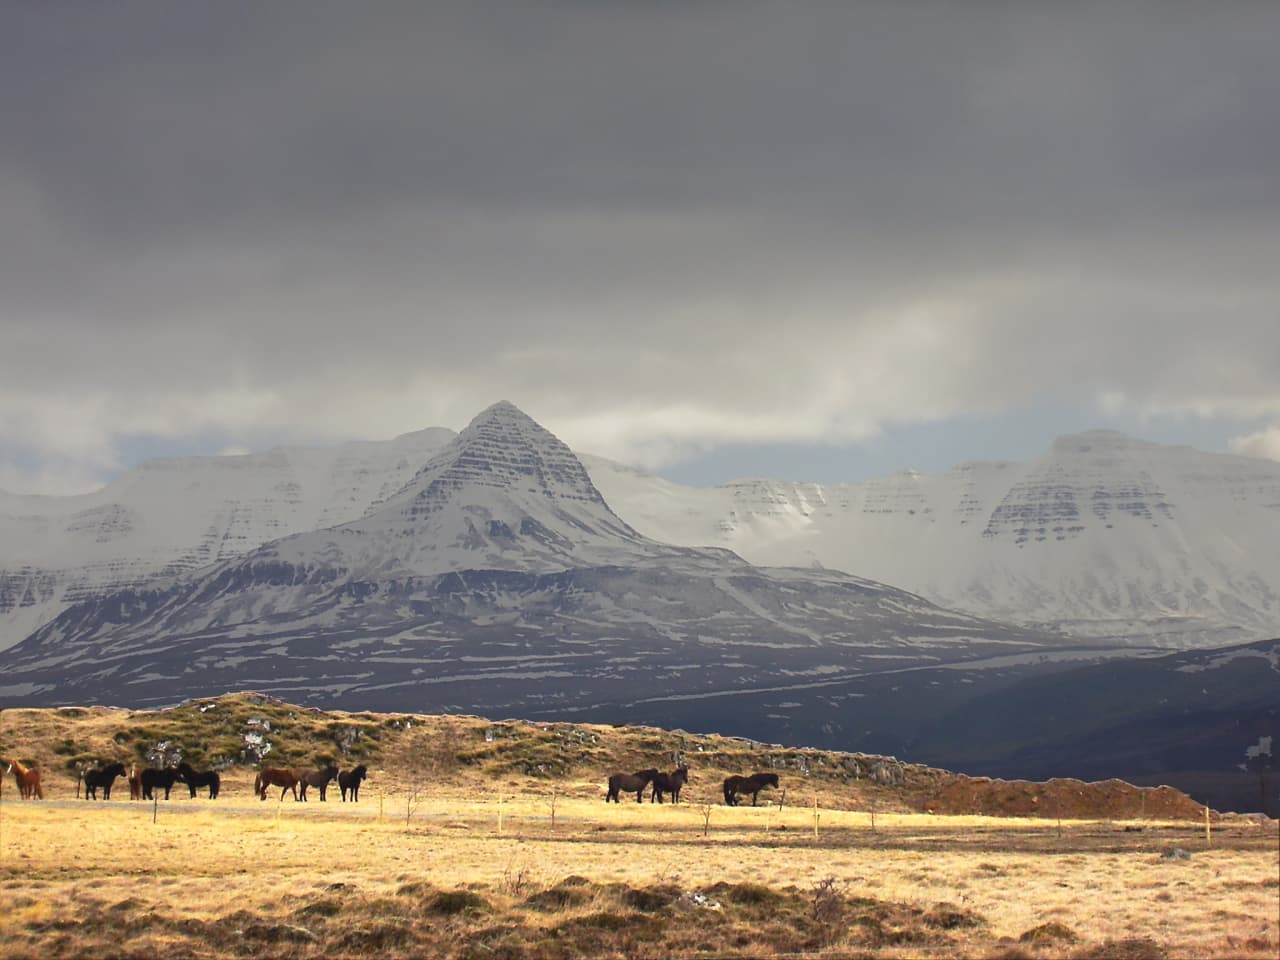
(350, 780)
(199, 778)
(733, 786)
(629, 783)
(103, 777)
(152, 778)
(671, 783)
(316, 778)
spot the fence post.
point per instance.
(1207, 828)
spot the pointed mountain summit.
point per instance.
(505, 494)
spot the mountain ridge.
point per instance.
(1101, 549)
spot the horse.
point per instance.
(752, 785)
(629, 783)
(103, 777)
(276, 777)
(135, 782)
(195, 778)
(670, 783)
(151, 778)
(316, 778)
(350, 780)
(27, 779)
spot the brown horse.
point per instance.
(276, 777)
(317, 778)
(671, 783)
(27, 779)
(629, 783)
(752, 785)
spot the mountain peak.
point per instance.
(503, 447)
(1097, 441)
(505, 493)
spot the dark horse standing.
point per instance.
(350, 780)
(316, 778)
(629, 783)
(153, 778)
(199, 778)
(752, 785)
(103, 777)
(276, 777)
(671, 783)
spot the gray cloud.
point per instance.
(654, 225)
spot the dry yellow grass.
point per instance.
(241, 877)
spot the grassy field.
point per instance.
(452, 873)
(491, 839)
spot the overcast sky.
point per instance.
(811, 241)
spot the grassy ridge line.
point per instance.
(238, 732)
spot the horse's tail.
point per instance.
(257, 784)
(730, 790)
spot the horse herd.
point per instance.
(145, 783)
(298, 781)
(735, 787)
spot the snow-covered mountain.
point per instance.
(169, 516)
(497, 578)
(1103, 536)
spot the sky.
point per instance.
(812, 241)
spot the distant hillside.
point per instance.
(1189, 719)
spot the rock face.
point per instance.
(1104, 536)
(496, 579)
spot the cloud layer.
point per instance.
(656, 227)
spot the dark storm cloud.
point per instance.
(678, 216)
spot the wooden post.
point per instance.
(1207, 828)
(381, 819)
(500, 799)
(815, 815)
(555, 793)
(155, 807)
